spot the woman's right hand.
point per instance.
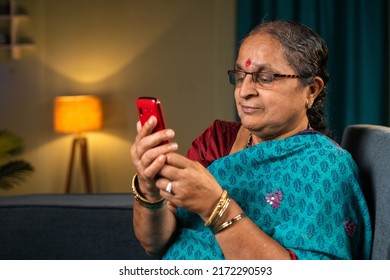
(148, 156)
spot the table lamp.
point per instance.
(78, 114)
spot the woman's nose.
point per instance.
(247, 87)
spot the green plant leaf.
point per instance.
(14, 172)
(10, 145)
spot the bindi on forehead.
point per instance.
(248, 63)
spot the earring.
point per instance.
(308, 105)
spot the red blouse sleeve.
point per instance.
(215, 142)
(292, 255)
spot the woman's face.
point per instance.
(275, 112)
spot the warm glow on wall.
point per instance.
(75, 114)
(102, 39)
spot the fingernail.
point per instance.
(170, 133)
(174, 146)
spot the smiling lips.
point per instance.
(249, 109)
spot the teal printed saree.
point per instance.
(303, 191)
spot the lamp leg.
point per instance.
(85, 163)
(70, 168)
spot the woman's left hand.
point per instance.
(193, 187)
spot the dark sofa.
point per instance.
(370, 148)
(68, 226)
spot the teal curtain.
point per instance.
(357, 35)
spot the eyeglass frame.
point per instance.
(255, 75)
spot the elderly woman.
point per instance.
(273, 186)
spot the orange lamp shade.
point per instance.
(76, 114)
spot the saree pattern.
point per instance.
(303, 191)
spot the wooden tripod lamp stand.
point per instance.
(78, 114)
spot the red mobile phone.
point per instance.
(151, 106)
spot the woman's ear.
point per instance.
(315, 89)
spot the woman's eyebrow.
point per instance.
(258, 67)
(238, 66)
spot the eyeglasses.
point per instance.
(263, 79)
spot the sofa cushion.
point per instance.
(71, 226)
(369, 146)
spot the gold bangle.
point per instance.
(157, 204)
(220, 213)
(229, 222)
(217, 208)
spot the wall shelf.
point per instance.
(11, 41)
